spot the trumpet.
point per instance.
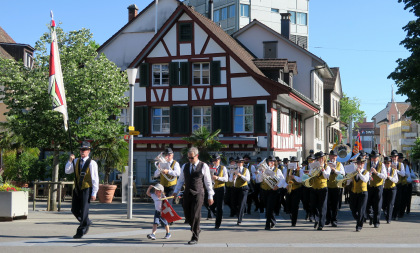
(159, 163)
(315, 173)
(348, 176)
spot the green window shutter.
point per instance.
(141, 119)
(184, 73)
(259, 118)
(215, 73)
(144, 74)
(222, 118)
(180, 123)
(174, 73)
(278, 120)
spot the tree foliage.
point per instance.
(350, 110)
(406, 75)
(94, 89)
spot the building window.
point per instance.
(292, 17)
(201, 73)
(301, 18)
(275, 10)
(151, 168)
(28, 60)
(216, 16)
(201, 117)
(232, 11)
(244, 119)
(185, 32)
(270, 49)
(160, 74)
(244, 10)
(392, 119)
(160, 120)
(224, 13)
(317, 128)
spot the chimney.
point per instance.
(211, 10)
(132, 12)
(285, 24)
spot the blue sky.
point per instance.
(358, 36)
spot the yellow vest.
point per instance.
(359, 186)
(388, 183)
(239, 182)
(320, 181)
(229, 184)
(377, 181)
(164, 181)
(401, 180)
(295, 185)
(264, 185)
(87, 180)
(217, 183)
(332, 182)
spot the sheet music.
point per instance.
(292, 166)
(350, 168)
(314, 165)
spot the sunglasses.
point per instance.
(84, 149)
(191, 157)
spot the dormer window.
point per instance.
(185, 32)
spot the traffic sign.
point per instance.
(134, 132)
(131, 128)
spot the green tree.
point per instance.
(350, 111)
(94, 87)
(406, 75)
(415, 152)
(205, 141)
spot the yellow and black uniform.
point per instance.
(398, 211)
(389, 193)
(294, 196)
(359, 198)
(375, 191)
(169, 180)
(219, 193)
(240, 192)
(269, 196)
(334, 194)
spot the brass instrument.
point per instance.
(289, 183)
(315, 173)
(343, 153)
(161, 164)
(267, 175)
(348, 176)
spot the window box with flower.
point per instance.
(14, 202)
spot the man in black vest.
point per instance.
(196, 176)
(86, 183)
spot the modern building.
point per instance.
(193, 74)
(232, 15)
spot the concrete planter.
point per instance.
(14, 205)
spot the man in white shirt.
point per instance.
(401, 185)
(240, 179)
(196, 176)
(171, 171)
(86, 181)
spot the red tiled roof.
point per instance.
(4, 37)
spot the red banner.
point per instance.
(168, 213)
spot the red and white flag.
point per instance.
(56, 84)
(168, 213)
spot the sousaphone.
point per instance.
(343, 153)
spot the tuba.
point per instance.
(161, 162)
(267, 175)
(343, 153)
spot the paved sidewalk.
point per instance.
(111, 230)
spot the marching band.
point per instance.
(378, 183)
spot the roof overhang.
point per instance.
(297, 103)
(179, 140)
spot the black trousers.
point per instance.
(359, 207)
(280, 200)
(217, 207)
(333, 202)
(192, 209)
(268, 198)
(80, 208)
(168, 192)
(293, 204)
(399, 201)
(374, 204)
(319, 199)
(229, 200)
(306, 200)
(253, 197)
(240, 196)
(388, 197)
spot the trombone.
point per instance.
(308, 182)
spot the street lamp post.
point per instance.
(132, 75)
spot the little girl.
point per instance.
(157, 196)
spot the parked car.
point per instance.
(416, 184)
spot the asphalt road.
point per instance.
(52, 232)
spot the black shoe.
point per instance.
(316, 224)
(267, 228)
(357, 229)
(387, 222)
(193, 242)
(370, 222)
(273, 225)
(216, 227)
(376, 226)
(327, 222)
(293, 224)
(396, 218)
(77, 236)
(238, 223)
(334, 224)
(319, 228)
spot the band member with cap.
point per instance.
(257, 187)
(229, 186)
(402, 181)
(220, 177)
(268, 194)
(319, 193)
(390, 189)
(294, 186)
(196, 176)
(409, 185)
(281, 200)
(334, 193)
(172, 173)
(240, 178)
(377, 174)
(86, 181)
(405, 182)
(251, 184)
(306, 194)
(359, 189)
